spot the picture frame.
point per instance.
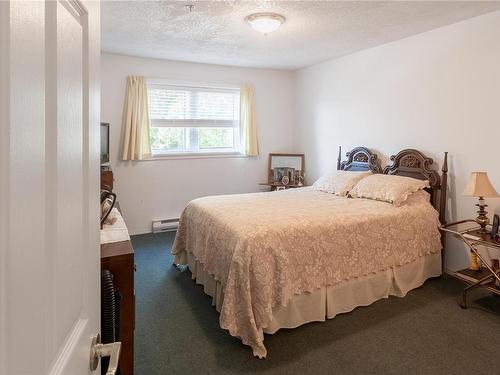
(278, 174)
(290, 165)
(494, 226)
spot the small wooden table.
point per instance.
(486, 276)
(275, 185)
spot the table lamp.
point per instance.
(480, 186)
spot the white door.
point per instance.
(49, 186)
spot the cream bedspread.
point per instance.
(266, 247)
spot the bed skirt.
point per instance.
(329, 301)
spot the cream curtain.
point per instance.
(247, 118)
(136, 141)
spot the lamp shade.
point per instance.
(480, 186)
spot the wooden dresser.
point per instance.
(118, 258)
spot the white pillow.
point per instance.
(387, 188)
(339, 182)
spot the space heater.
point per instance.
(110, 314)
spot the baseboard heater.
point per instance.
(166, 225)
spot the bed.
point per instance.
(327, 255)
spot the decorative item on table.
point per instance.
(299, 180)
(494, 227)
(497, 238)
(285, 173)
(108, 200)
(480, 186)
(495, 266)
(475, 264)
(278, 174)
(291, 175)
(285, 180)
(291, 165)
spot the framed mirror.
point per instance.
(286, 169)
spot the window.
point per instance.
(193, 120)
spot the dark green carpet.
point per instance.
(177, 330)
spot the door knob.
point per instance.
(99, 350)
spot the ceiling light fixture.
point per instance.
(265, 22)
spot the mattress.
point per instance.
(266, 248)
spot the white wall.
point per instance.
(438, 91)
(150, 190)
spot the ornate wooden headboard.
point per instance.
(359, 159)
(409, 163)
(413, 163)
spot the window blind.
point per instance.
(193, 107)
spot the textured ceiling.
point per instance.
(215, 31)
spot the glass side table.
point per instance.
(486, 276)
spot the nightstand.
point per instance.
(485, 277)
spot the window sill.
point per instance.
(195, 156)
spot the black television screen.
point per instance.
(104, 143)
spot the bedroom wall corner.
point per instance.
(160, 189)
(437, 91)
